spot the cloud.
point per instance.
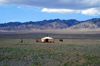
(63, 11)
(12, 21)
(55, 4)
(87, 7)
(91, 11)
(18, 7)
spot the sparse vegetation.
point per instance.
(71, 52)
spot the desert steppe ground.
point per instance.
(75, 50)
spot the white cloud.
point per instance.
(58, 10)
(91, 11)
(2, 2)
(18, 7)
(12, 21)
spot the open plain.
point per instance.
(75, 50)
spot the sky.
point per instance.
(38, 10)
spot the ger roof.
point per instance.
(47, 38)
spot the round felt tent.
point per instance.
(47, 39)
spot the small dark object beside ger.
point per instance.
(21, 40)
(61, 40)
(37, 40)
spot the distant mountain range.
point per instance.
(52, 24)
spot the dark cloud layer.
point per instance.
(87, 7)
(56, 4)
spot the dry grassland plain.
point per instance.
(73, 51)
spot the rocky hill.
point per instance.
(91, 24)
(52, 24)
